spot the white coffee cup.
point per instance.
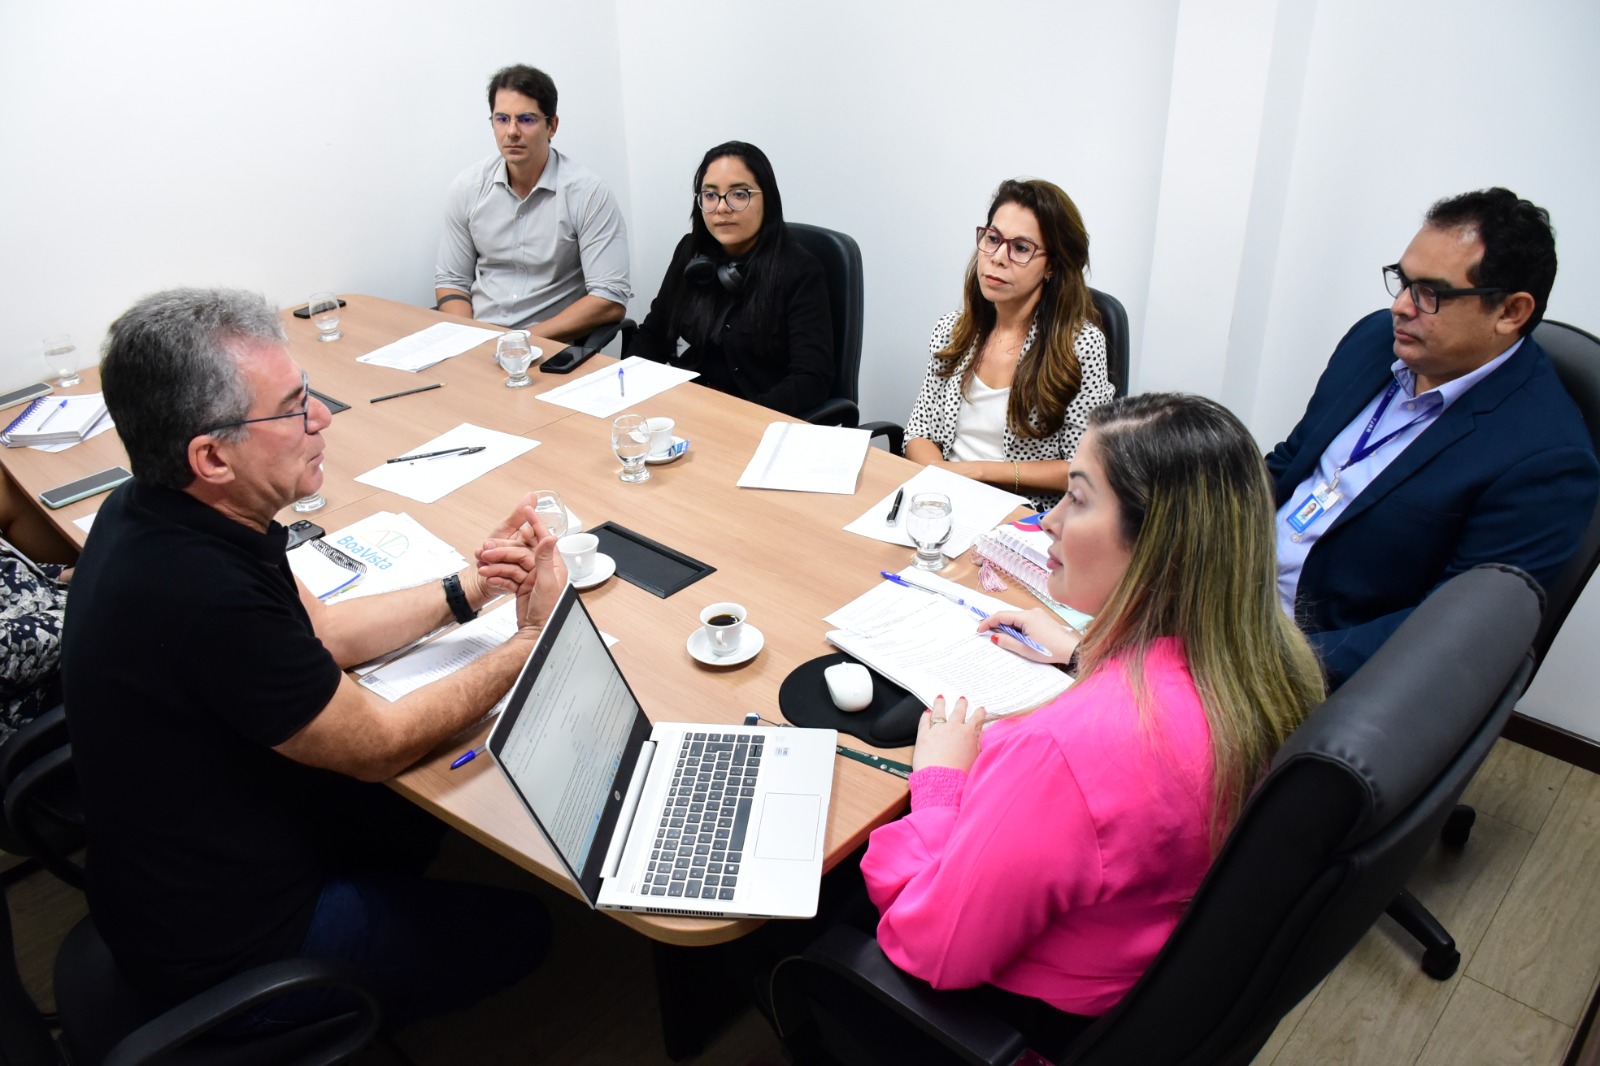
(724, 626)
(578, 551)
(660, 434)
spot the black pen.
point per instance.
(894, 510)
(877, 762)
(438, 455)
(408, 392)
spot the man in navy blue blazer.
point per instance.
(1438, 437)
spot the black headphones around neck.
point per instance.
(703, 270)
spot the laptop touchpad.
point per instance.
(788, 827)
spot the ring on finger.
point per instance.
(937, 719)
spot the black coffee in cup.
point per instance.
(722, 620)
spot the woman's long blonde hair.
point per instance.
(1048, 377)
(1197, 512)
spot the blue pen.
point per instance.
(622, 384)
(468, 757)
(54, 411)
(1011, 631)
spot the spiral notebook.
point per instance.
(55, 420)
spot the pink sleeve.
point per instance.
(964, 889)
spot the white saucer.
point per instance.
(749, 646)
(668, 457)
(604, 567)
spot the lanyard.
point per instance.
(1363, 448)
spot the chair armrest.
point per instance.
(836, 411)
(854, 958)
(895, 433)
(46, 732)
(27, 803)
(601, 336)
(195, 1017)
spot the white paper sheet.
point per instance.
(399, 552)
(430, 480)
(604, 395)
(440, 341)
(976, 508)
(930, 646)
(85, 522)
(800, 457)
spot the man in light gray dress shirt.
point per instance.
(532, 239)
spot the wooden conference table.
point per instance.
(784, 555)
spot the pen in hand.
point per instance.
(894, 509)
(1010, 631)
(464, 450)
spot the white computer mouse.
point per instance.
(850, 685)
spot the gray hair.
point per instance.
(171, 369)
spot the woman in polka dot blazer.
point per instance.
(1014, 374)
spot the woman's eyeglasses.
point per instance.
(736, 199)
(1020, 249)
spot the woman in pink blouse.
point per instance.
(1051, 855)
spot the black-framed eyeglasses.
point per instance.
(304, 413)
(1020, 249)
(1425, 294)
(736, 199)
(525, 121)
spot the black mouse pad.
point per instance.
(889, 721)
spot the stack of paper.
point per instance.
(435, 344)
(801, 457)
(929, 645)
(398, 551)
(56, 420)
(320, 569)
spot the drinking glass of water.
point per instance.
(324, 309)
(61, 355)
(551, 511)
(630, 439)
(313, 502)
(514, 354)
(929, 523)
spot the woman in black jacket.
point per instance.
(742, 302)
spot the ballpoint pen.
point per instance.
(877, 762)
(622, 384)
(1011, 631)
(57, 409)
(407, 392)
(468, 757)
(894, 509)
(464, 450)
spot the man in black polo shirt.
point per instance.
(225, 756)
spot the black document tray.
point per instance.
(652, 566)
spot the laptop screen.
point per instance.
(563, 737)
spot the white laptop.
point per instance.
(712, 821)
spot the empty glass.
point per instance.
(312, 502)
(630, 439)
(61, 355)
(551, 511)
(324, 310)
(514, 354)
(929, 524)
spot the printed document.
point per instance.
(800, 457)
(609, 392)
(441, 341)
(976, 508)
(399, 552)
(930, 645)
(430, 480)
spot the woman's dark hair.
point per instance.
(1519, 247)
(1048, 377)
(694, 313)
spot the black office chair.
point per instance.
(1113, 323)
(840, 257)
(1348, 809)
(1576, 355)
(598, 338)
(102, 1018)
(51, 829)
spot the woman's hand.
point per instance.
(950, 738)
(1043, 628)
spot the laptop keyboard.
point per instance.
(700, 842)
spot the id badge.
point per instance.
(1313, 507)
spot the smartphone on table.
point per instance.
(84, 487)
(24, 394)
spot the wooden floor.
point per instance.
(1521, 900)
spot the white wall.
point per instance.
(894, 122)
(288, 147)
